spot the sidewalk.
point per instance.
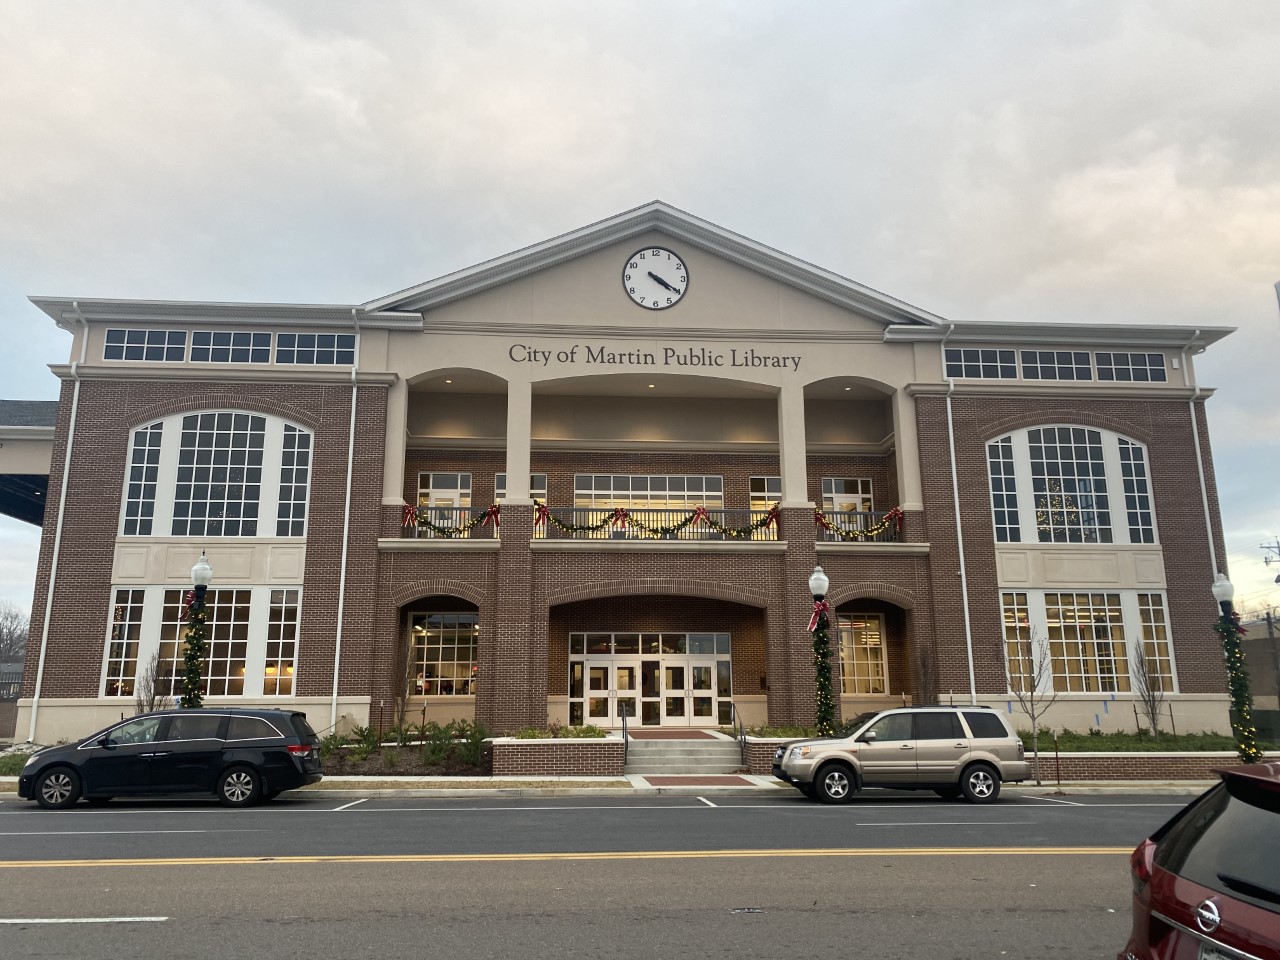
(663, 785)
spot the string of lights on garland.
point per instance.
(1246, 734)
(420, 517)
(623, 519)
(195, 650)
(891, 519)
(825, 703)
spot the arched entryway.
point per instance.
(440, 657)
(872, 649)
(663, 661)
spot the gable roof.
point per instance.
(662, 218)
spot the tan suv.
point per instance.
(953, 751)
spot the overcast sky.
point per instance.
(1098, 161)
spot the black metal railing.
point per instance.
(452, 523)
(870, 526)
(644, 523)
(740, 733)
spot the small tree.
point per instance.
(149, 694)
(14, 625)
(1149, 685)
(1031, 682)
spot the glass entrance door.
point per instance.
(658, 680)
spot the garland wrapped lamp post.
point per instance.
(1229, 629)
(196, 645)
(825, 704)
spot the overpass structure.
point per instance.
(26, 449)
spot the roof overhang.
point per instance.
(68, 311)
(661, 218)
(1195, 339)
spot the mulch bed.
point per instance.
(407, 761)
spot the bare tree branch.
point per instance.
(149, 695)
(1031, 683)
(14, 624)
(1149, 684)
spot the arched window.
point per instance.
(1069, 484)
(217, 474)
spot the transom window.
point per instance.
(1056, 365)
(230, 346)
(673, 492)
(862, 653)
(316, 348)
(982, 364)
(1071, 473)
(1131, 367)
(846, 495)
(163, 345)
(765, 492)
(442, 653)
(537, 486)
(219, 475)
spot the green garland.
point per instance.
(623, 517)
(1246, 734)
(891, 519)
(825, 704)
(196, 648)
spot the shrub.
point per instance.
(555, 731)
(11, 764)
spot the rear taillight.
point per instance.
(1140, 862)
(300, 749)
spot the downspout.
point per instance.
(62, 508)
(1195, 435)
(346, 526)
(955, 499)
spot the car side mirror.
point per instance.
(106, 742)
(868, 737)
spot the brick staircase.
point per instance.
(689, 757)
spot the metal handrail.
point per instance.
(741, 735)
(626, 740)
(655, 518)
(859, 521)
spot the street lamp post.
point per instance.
(825, 706)
(196, 645)
(1229, 629)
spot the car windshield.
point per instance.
(1229, 842)
(852, 726)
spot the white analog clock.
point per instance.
(655, 278)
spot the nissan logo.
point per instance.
(1207, 916)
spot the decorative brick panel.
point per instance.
(558, 758)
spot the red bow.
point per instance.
(187, 603)
(492, 514)
(896, 516)
(820, 607)
(540, 514)
(409, 517)
(619, 517)
(771, 518)
(699, 514)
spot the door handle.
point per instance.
(906, 746)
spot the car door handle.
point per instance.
(162, 753)
(961, 745)
(906, 746)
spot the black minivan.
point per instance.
(241, 756)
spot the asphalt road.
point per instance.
(886, 876)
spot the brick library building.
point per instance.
(588, 481)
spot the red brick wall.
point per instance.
(543, 758)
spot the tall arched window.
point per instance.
(1069, 484)
(220, 473)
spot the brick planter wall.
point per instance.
(557, 758)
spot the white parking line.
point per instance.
(706, 801)
(24, 922)
(348, 806)
(1068, 803)
(103, 833)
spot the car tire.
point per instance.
(807, 789)
(239, 787)
(948, 793)
(835, 783)
(980, 783)
(58, 788)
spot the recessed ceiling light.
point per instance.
(848, 388)
(651, 386)
(450, 381)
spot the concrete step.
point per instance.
(707, 757)
(666, 767)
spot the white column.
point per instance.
(792, 449)
(519, 438)
(907, 449)
(393, 457)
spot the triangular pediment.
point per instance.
(657, 217)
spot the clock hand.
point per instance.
(658, 280)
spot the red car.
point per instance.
(1206, 885)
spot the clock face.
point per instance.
(655, 278)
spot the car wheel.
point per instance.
(807, 789)
(239, 787)
(948, 793)
(980, 784)
(58, 788)
(835, 784)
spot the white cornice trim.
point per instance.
(899, 549)
(221, 374)
(658, 217)
(1058, 389)
(16, 432)
(436, 545)
(651, 333)
(194, 313)
(658, 546)
(1012, 335)
(728, 448)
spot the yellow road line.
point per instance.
(611, 855)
